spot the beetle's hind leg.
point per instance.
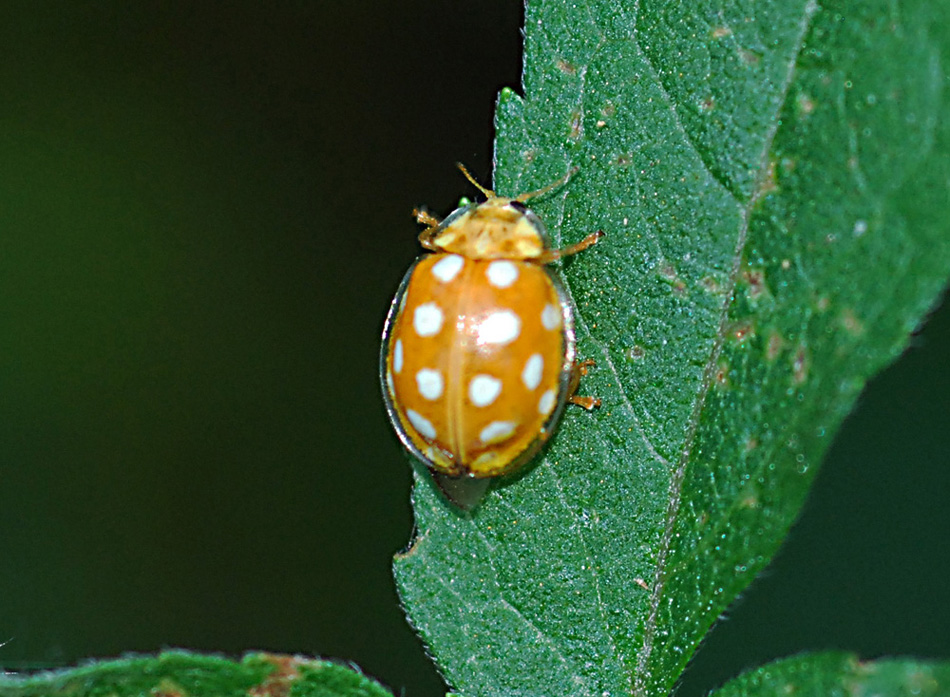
(578, 371)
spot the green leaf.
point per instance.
(182, 674)
(773, 182)
(838, 673)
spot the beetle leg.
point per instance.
(426, 218)
(554, 254)
(588, 403)
(580, 370)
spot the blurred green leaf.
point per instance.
(838, 673)
(773, 182)
(181, 674)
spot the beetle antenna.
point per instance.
(488, 192)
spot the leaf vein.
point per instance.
(581, 324)
(627, 403)
(556, 651)
(569, 667)
(700, 152)
(591, 566)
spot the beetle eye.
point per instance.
(519, 206)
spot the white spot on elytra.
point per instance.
(397, 356)
(427, 319)
(502, 274)
(531, 375)
(546, 403)
(551, 317)
(500, 327)
(497, 431)
(486, 459)
(448, 268)
(421, 423)
(430, 383)
(483, 390)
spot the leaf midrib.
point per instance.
(639, 686)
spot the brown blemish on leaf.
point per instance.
(722, 375)
(577, 128)
(774, 346)
(750, 502)
(748, 57)
(721, 32)
(769, 183)
(708, 104)
(668, 273)
(279, 682)
(168, 688)
(751, 444)
(413, 548)
(566, 67)
(624, 159)
(851, 323)
(822, 303)
(806, 105)
(756, 280)
(710, 285)
(741, 331)
(800, 366)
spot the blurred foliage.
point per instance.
(180, 674)
(839, 673)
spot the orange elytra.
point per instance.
(478, 357)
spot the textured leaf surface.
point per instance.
(773, 182)
(824, 674)
(180, 674)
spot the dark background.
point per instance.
(204, 211)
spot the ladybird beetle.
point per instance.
(478, 355)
